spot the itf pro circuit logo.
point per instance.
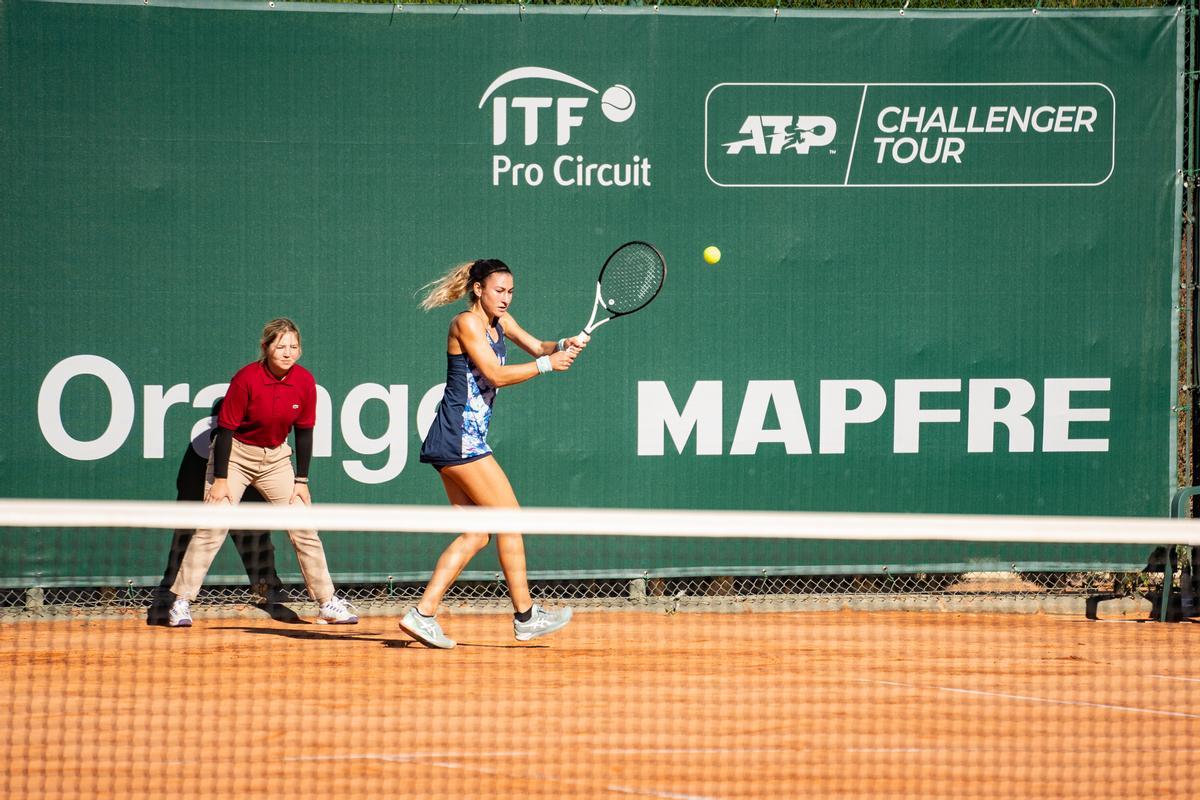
(536, 116)
(944, 134)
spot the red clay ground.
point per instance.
(619, 705)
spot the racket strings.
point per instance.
(631, 278)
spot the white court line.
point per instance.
(616, 751)
(1082, 703)
(720, 751)
(988, 751)
(551, 778)
(1176, 678)
(653, 793)
(438, 762)
(401, 757)
(508, 753)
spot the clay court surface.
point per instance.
(619, 705)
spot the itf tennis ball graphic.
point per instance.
(618, 102)
(712, 254)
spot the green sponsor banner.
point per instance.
(950, 246)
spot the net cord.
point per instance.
(40, 513)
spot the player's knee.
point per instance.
(476, 541)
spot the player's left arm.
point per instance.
(531, 344)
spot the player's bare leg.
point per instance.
(481, 483)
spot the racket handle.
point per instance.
(583, 337)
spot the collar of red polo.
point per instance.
(269, 377)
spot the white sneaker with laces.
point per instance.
(336, 611)
(180, 615)
(541, 623)
(425, 630)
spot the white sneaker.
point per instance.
(425, 630)
(336, 611)
(541, 623)
(180, 615)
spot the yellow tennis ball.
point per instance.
(712, 254)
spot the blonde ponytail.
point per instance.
(447, 288)
(458, 281)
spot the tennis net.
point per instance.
(853, 667)
(115, 558)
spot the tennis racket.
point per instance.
(631, 277)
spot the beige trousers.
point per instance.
(268, 469)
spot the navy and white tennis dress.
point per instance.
(459, 431)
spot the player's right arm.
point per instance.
(467, 330)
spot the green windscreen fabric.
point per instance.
(949, 263)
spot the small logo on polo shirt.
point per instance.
(295, 406)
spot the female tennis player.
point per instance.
(265, 400)
(456, 444)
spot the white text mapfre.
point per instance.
(534, 119)
(990, 405)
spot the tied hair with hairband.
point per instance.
(458, 281)
(481, 269)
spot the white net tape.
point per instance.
(588, 521)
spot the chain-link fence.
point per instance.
(1000, 591)
(899, 6)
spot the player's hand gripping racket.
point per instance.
(630, 278)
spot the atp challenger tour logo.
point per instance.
(927, 134)
(524, 124)
(771, 135)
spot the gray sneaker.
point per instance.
(541, 623)
(425, 630)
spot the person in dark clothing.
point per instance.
(254, 547)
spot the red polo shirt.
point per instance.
(261, 409)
